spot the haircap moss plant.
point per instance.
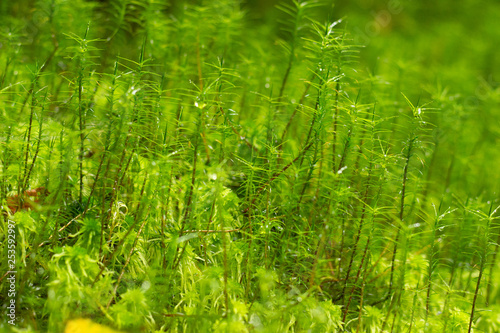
(237, 166)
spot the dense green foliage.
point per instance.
(228, 166)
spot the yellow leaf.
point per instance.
(86, 326)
